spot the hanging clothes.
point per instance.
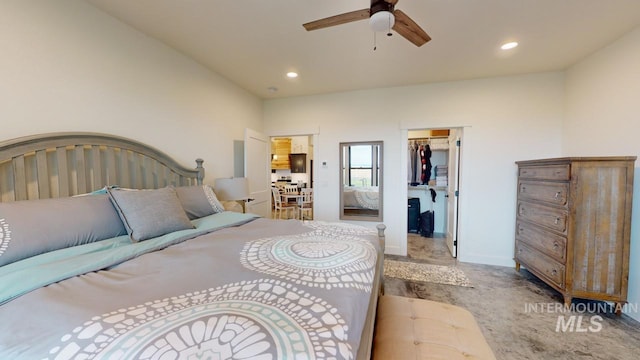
(409, 165)
(413, 155)
(413, 163)
(419, 162)
(433, 195)
(427, 152)
(423, 165)
(425, 159)
(417, 165)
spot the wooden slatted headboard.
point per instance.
(65, 164)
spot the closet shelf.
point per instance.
(427, 187)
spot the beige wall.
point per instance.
(505, 119)
(66, 66)
(603, 118)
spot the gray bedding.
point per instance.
(265, 289)
(361, 197)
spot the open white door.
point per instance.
(452, 192)
(257, 169)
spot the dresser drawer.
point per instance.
(546, 172)
(550, 217)
(549, 192)
(540, 264)
(540, 239)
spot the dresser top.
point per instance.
(566, 160)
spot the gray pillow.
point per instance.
(199, 201)
(150, 213)
(33, 227)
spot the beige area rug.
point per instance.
(425, 272)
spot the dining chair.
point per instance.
(305, 203)
(279, 206)
(290, 189)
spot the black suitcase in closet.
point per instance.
(413, 209)
(426, 223)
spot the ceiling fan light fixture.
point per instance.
(382, 21)
(509, 45)
(383, 16)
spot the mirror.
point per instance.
(361, 181)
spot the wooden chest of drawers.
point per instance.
(573, 224)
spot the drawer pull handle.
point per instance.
(523, 189)
(557, 221)
(554, 272)
(556, 245)
(557, 196)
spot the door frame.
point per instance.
(259, 198)
(453, 191)
(404, 166)
(314, 134)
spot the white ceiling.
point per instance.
(255, 42)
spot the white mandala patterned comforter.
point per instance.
(265, 290)
(361, 197)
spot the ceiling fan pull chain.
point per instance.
(374, 41)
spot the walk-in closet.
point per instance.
(432, 183)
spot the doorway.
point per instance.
(432, 194)
(292, 167)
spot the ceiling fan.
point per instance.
(382, 16)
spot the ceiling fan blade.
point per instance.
(409, 29)
(337, 20)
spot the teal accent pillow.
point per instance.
(149, 213)
(101, 191)
(33, 227)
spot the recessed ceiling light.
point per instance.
(509, 45)
(292, 75)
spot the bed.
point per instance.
(155, 268)
(360, 201)
(359, 197)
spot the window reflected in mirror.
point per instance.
(361, 181)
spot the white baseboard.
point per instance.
(487, 260)
(393, 250)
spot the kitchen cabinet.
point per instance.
(280, 150)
